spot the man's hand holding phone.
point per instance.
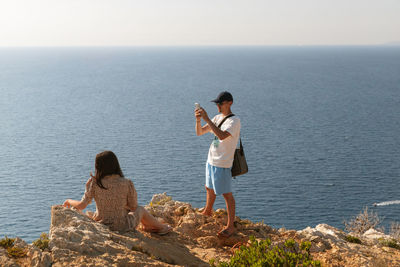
(197, 113)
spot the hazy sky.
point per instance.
(198, 22)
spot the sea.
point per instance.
(320, 128)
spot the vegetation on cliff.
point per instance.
(364, 221)
(13, 251)
(42, 242)
(263, 253)
(74, 240)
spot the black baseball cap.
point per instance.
(223, 96)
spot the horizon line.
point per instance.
(229, 45)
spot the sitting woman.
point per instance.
(116, 198)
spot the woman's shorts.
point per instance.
(219, 179)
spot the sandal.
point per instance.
(225, 233)
(165, 230)
(149, 230)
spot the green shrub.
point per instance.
(16, 252)
(353, 239)
(42, 242)
(262, 253)
(392, 243)
(7, 242)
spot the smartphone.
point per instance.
(196, 105)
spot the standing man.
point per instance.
(220, 156)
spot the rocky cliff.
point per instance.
(76, 240)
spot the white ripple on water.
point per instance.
(386, 203)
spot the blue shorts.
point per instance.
(218, 179)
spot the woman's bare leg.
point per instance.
(149, 221)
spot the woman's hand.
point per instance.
(79, 205)
(92, 178)
(67, 203)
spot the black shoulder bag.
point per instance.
(239, 166)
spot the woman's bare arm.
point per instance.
(79, 205)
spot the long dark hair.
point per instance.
(106, 163)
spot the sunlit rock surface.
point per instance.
(76, 240)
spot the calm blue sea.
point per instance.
(320, 128)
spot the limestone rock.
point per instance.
(374, 234)
(5, 260)
(39, 258)
(20, 243)
(76, 240)
(329, 245)
(323, 237)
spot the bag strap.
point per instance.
(220, 124)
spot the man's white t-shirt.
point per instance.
(221, 152)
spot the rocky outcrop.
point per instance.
(76, 240)
(34, 256)
(333, 247)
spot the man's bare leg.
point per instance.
(209, 202)
(230, 208)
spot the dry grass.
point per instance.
(363, 222)
(395, 230)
